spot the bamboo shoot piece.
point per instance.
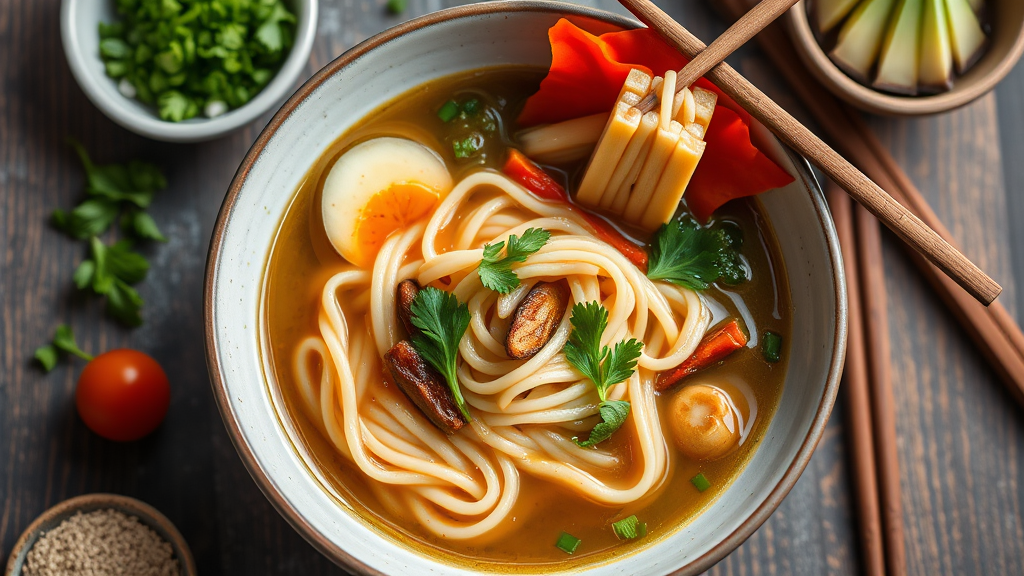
(966, 36)
(860, 39)
(681, 165)
(626, 179)
(832, 12)
(617, 193)
(621, 126)
(617, 132)
(935, 71)
(897, 65)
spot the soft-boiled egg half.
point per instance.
(377, 187)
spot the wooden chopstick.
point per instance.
(992, 329)
(761, 15)
(859, 428)
(900, 220)
(872, 294)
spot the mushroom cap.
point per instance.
(703, 422)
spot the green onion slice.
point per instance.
(771, 346)
(629, 528)
(448, 111)
(700, 482)
(567, 543)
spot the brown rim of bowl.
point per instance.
(871, 100)
(317, 540)
(146, 514)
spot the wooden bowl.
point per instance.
(89, 502)
(1005, 47)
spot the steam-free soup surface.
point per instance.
(302, 260)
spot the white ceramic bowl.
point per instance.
(372, 73)
(79, 30)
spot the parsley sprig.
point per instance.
(603, 366)
(110, 272)
(685, 253)
(496, 271)
(110, 189)
(63, 341)
(442, 320)
(113, 190)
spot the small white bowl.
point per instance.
(79, 30)
(337, 97)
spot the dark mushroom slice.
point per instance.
(406, 293)
(536, 318)
(424, 386)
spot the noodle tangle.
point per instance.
(525, 412)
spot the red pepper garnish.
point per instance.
(585, 77)
(521, 169)
(712, 349)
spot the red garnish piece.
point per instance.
(585, 77)
(712, 349)
(532, 177)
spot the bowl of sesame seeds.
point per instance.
(101, 535)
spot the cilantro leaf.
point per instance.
(613, 415)
(142, 225)
(110, 272)
(272, 34)
(687, 254)
(63, 341)
(47, 356)
(89, 218)
(175, 106)
(442, 320)
(496, 273)
(603, 366)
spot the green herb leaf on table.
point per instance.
(63, 341)
(109, 188)
(496, 271)
(687, 254)
(442, 321)
(629, 528)
(110, 272)
(603, 366)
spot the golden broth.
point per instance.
(302, 260)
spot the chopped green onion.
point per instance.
(567, 543)
(449, 111)
(629, 528)
(471, 106)
(397, 7)
(700, 482)
(771, 346)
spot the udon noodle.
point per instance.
(525, 412)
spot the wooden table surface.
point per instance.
(960, 434)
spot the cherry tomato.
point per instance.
(123, 395)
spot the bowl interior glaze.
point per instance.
(373, 73)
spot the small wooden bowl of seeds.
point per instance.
(101, 534)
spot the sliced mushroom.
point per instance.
(536, 318)
(424, 386)
(406, 293)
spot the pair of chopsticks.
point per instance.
(870, 414)
(898, 218)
